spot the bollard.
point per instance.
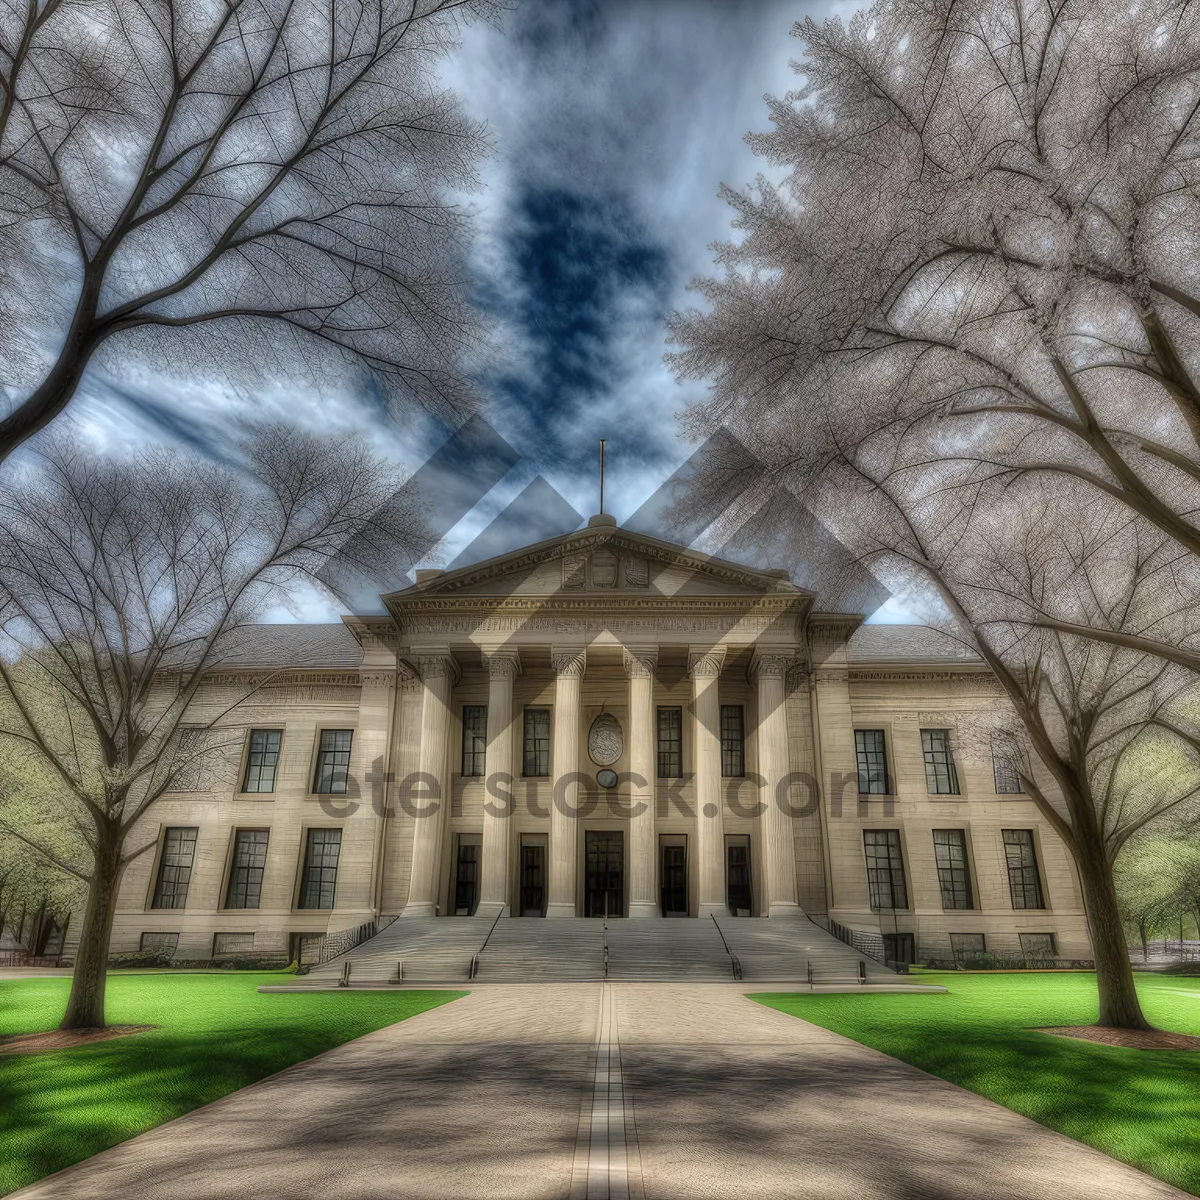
(862, 971)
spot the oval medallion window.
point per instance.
(605, 742)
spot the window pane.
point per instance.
(941, 778)
(474, 748)
(966, 945)
(1023, 882)
(319, 880)
(333, 762)
(1037, 948)
(175, 868)
(733, 741)
(246, 874)
(670, 743)
(537, 741)
(262, 759)
(950, 850)
(1004, 771)
(872, 762)
(885, 868)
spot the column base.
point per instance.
(643, 908)
(420, 909)
(713, 910)
(491, 908)
(784, 908)
(560, 910)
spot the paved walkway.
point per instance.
(593, 1091)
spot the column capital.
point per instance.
(434, 662)
(705, 662)
(640, 661)
(569, 660)
(502, 663)
(770, 663)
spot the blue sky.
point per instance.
(612, 125)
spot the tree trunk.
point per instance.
(85, 1006)
(1119, 1005)
(1145, 949)
(55, 391)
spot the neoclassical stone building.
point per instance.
(602, 724)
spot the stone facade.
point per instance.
(602, 722)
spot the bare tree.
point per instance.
(268, 175)
(121, 585)
(986, 235)
(962, 333)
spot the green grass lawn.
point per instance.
(1140, 1106)
(217, 1035)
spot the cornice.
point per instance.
(588, 540)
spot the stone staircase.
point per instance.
(668, 949)
(533, 950)
(784, 947)
(431, 949)
(537, 950)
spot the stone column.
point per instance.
(704, 666)
(639, 666)
(431, 797)
(569, 664)
(503, 667)
(767, 670)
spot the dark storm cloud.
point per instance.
(613, 124)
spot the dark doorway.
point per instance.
(533, 879)
(604, 866)
(674, 879)
(898, 947)
(466, 876)
(737, 874)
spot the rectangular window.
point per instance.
(333, 762)
(733, 741)
(670, 743)
(175, 868)
(246, 874)
(188, 759)
(1004, 771)
(941, 777)
(537, 742)
(474, 748)
(954, 876)
(871, 751)
(225, 944)
(262, 759)
(159, 943)
(1038, 949)
(966, 946)
(885, 868)
(320, 868)
(1023, 882)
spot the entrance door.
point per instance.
(604, 867)
(737, 874)
(466, 875)
(674, 879)
(533, 878)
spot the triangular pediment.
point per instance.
(599, 560)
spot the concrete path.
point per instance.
(595, 1091)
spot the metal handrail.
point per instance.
(473, 969)
(734, 961)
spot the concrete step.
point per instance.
(785, 947)
(531, 949)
